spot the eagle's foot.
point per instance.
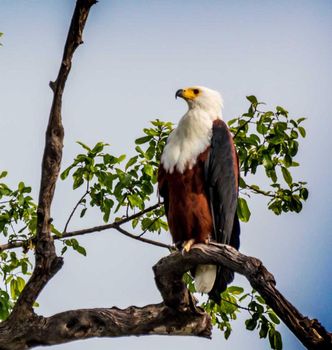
(187, 245)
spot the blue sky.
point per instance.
(136, 55)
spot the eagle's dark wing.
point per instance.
(222, 175)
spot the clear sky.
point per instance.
(136, 55)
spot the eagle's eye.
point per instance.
(196, 91)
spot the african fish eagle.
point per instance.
(198, 179)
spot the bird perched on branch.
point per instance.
(198, 179)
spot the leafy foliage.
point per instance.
(113, 184)
(261, 316)
(17, 224)
(267, 143)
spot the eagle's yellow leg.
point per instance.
(187, 245)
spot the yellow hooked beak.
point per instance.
(188, 93)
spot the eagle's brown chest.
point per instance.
(189, 215)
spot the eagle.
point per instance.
(198, 178)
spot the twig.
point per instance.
(151, 223)
(243, 125)
(12, 245)
(112, 225)
(145, 240)
(235, 304)
(76, 206)
(257, 190)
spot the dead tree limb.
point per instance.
(175, 316)
(47, 263)
(81, 324)
(169, 272)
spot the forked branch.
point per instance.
(47, 263)
(169, 271)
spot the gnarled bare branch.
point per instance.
(72, 325)
(47, 263)
(169, 271)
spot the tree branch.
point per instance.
(72, 325)
(115, 225)
(169, 271)
(177, 315)
(142, 239)
(47, 263)
(75, 207)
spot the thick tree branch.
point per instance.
(47, 263)
(176, 315)
(112, 322)
(169, 271)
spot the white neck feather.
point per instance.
(190, 138)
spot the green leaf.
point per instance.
(267, 162)
(282, 111)
(235, 290)
(122, 158)
(264, 329)
(300, 120)
(143, 139)
(260, 299)
(13, 288)
(81, 250)
(252, 99)
(302, 131)
(131, 161)
(83, 211)
(98, 147)
(304, 193)
(243, 210)
(277, 341)
(84, 146)
(65, 173)
(78, 181)
(287, 176)
(3, 174)
(20, 284)
(251, 324)
(274, 318)
(148, 170)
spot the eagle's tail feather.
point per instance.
(223, 278)
(205, 276)
(224, 275)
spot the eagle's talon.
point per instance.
(187, 245)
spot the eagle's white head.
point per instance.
(194, 131)
(203, 98)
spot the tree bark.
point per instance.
(169, 271)
(46, 261)
(177, 315)
(112, 322)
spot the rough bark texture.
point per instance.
(47, 263)
(112, 322)
(169, 270)
(177, 315)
